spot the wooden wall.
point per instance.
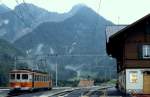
(133, 49)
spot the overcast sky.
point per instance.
(117, 11)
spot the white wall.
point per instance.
(122, 81)
(126, 84)
(138, 86)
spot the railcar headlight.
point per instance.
(17, 86)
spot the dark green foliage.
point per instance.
(65, 74)
(8, 48)
(22, 66)
(5, 66)
(99, 81)
(7, 53)
(63, 83)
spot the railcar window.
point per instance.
(12, 76)
(44, 78)
(24, 76)
(18, 76)
(35, 77)
(38, 77)
(41, 78)
(48, 78)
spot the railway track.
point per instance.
(40, 93)
(82, 92)
(96, 93)
(63, 94)
(17, 93)
(30, 94)
(100, 91)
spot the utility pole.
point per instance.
(46, 66)
(56, 72)
(56, 75)
(15, 67)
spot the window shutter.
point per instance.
(148, 28)
(140, 52)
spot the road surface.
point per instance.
(4, 92)
(110, 92)
(78, 92)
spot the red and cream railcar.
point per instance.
(24, 79)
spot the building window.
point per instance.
(146, 51)
(133, 77)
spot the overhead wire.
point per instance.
(26, 8)
(20, 16)
(98, 10)
(97, 23)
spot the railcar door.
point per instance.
(33, 79)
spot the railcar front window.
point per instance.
(12, 76)
(24, 76)
(18, 76)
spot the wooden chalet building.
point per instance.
(130, 46)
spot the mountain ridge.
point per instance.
(27, 17)
(4, 8)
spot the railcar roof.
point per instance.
(129, 26)
(113, 29)
(27, 71)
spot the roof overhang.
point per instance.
(116, 39)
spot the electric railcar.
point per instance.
(24, 79)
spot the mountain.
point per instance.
(11, 25)
(8, 48)
(24, 18)
(36, 15)
(81, 29)
(4, 8)
(83, 33)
